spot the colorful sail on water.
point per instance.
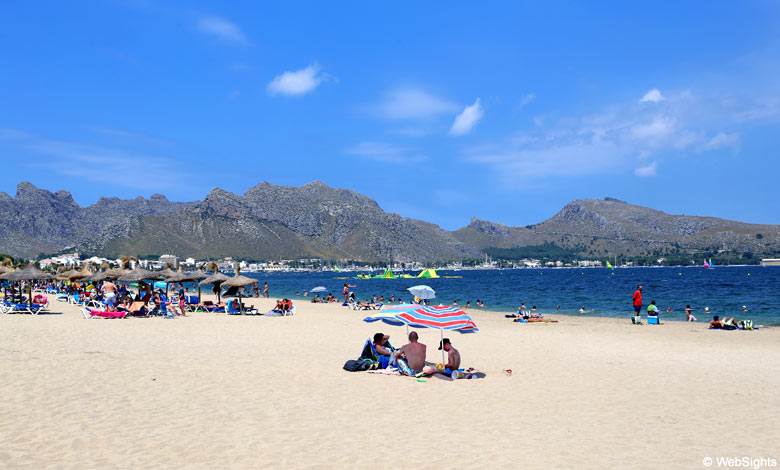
(706, 264)
(609, 266)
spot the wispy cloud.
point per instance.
(722, 140)
(627, 136)
(646, 170)
(127, 135)
(387, 153)
(298, 82)
(411, 104)
(93, 163)
(652, 96)
(467, 119)
(221, 29)
(525, 100)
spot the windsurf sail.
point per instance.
(706, 264)
(609, 266)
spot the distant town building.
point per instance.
(173, 259)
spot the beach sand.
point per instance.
(218, 391)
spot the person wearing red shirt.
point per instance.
(637, 305)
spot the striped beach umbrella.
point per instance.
(440, 317)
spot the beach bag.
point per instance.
(360, 365)
(747, 324)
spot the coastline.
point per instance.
(212, 390)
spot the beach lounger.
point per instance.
(90, 313)
(231, 310)
(13, 307)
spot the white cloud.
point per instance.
(412, 103)
(647, 170)
(525, 100)
(221, 29)
(298, 82)
(722, 140)
(382, 152)
(81, 160)
(467, 119)
(658, 127)
(620, 138)
(652, 96)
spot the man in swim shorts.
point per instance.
(453, 359)
(411, 356)
(109, 293)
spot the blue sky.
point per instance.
(439, 111)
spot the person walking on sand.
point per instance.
(109, 293)
(345, 292)
(637, 305)
(265, 290)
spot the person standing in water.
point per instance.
(688, 315)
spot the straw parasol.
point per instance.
(139, 274)
(124, 266)
(80, 274)
(167, 272)
(198, 275)
(30, 273)
(6, 266)
(239, 281)
(217, 278)
(65, 275)
(99, 276)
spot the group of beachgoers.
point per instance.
(716, 323)
(409, 359)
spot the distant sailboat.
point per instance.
(707, 265)
(609, 266)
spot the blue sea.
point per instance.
(603, 292)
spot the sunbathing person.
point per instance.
(138, 308)
(411, 356)
(718, 324)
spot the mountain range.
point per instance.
(271, 222)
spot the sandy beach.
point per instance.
(218, 391)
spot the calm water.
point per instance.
(602, 291)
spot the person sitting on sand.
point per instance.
(380, 340)
(411, 356)
(453, 360)
(688, 315)
(652, 310)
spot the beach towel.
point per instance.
(103, 314)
